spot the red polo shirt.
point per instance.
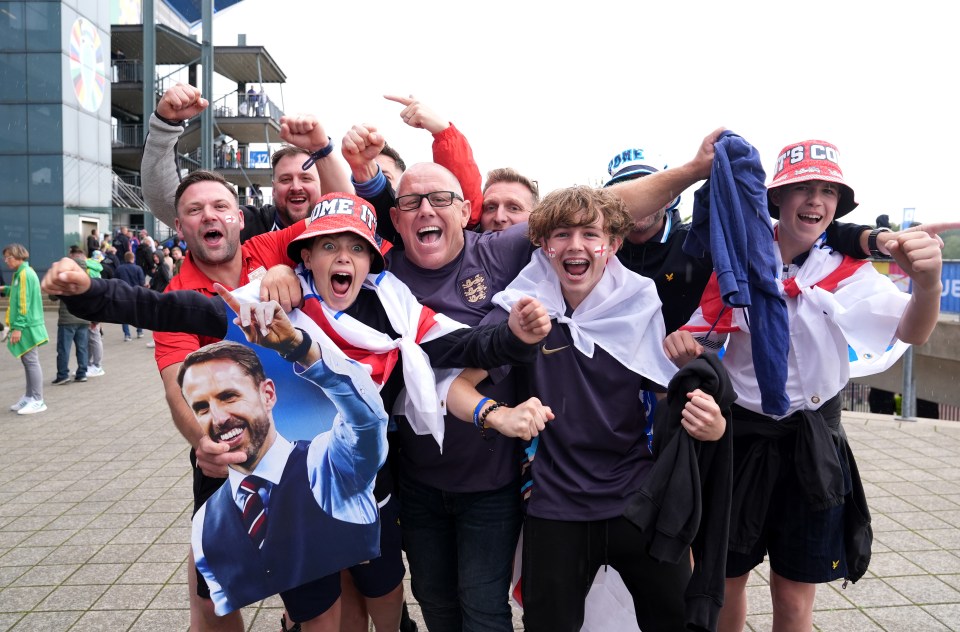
(259, 254)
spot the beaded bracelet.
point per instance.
(482, 425)
(476, 411)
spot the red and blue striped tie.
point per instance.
(254, 512)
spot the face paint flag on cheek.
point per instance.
(599, 251)
(230, 219)
(551, 252)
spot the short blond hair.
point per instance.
(506, 174)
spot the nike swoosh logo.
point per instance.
(549, 351)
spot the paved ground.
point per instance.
(95, 497)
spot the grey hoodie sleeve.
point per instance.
(159, 176)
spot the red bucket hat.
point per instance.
(340, 213)
(810, 160)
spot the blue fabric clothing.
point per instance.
(460, 548)
(731, 222)
(131, 273)
(67, 336)
(293, 553)
(320, 498)
(126, 331)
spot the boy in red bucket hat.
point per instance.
(797, 495)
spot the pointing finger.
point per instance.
(398, 99)
(227, 297)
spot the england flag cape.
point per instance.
(621, 315)
(415, 323)
(838, 300)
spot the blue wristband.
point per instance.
(476, 411)
(318, 155)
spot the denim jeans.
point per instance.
(67, 335)
(126, 330)
(460, 549)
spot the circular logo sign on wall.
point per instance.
(87, 67)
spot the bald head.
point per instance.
(432, 232)
(433, 171)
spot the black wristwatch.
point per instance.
(872, 243)
(300, 351)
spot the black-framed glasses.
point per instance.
(437, 199)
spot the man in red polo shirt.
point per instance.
(210, 221)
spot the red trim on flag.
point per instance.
(425, 323)
(715, 316)
(381, 363)
(847, 268)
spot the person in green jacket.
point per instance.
(27, 331)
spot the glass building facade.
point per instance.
(55, 152)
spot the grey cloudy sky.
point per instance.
(555, 89)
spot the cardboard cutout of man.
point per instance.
(261, 534)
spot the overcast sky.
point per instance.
(556, 89)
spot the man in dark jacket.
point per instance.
(131, 274)
(122, 241)
(93, 242)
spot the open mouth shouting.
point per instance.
(576, 267)
(340, 283)
(429, 235)
(212, 236)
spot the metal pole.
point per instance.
(149, 63)
(148, 81)
(206, 60)
(908, 401)
(908, 397)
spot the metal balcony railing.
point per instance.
(127, 135)
(127, 70)
(238, 104)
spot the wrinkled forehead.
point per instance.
(513, 191)
(427, 177)
(208, 190)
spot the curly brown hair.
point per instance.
(579, 206)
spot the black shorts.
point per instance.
(373, 579)
(803, 545)
(379, 576)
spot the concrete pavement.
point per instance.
(95, 503)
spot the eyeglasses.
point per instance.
(437, 199)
